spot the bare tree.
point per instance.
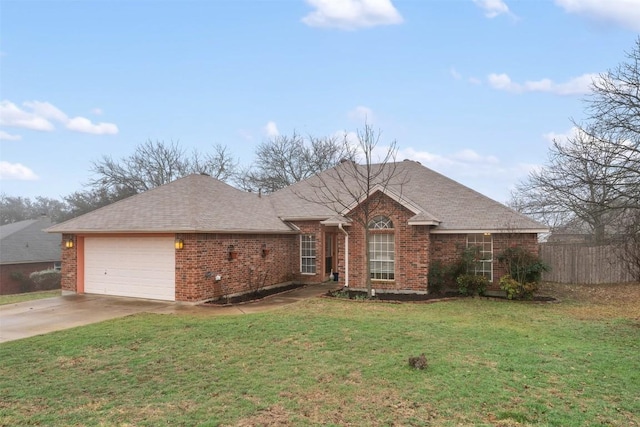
(285, 160)
(578, 181)
(614, 115)
(628, 245)
(151, 165)
(348, 189)
(595, 176)
(218, 164)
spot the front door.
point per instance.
(329, 253)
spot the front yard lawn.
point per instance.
(28, 296)
(335, 362)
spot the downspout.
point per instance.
(346, 255)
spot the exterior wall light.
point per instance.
(179, 244)
(68, 243)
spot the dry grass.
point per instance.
(615, 300)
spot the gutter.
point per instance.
(346, 255)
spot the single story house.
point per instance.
(197, 238)
(26, 248)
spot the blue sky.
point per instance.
(474, 89)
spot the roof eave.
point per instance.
(490, 230)
(177, 231)
(423, 222)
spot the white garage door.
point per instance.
(140, 267)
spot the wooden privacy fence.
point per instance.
(583, 263)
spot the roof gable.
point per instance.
(434, 198)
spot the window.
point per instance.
(380, 223)
(308, 254)
(57, 265)
(382, 248)
(484, 245)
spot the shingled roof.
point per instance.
(434, 198)
(195, 203)
(199, 203)
(26, 242)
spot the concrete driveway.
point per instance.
(30, 318)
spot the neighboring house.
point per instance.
(198, 238)
(24, 248)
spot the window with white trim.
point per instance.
(483, 242)
(308, 254)
(57, 265)
(382, 248)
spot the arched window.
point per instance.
(380, 222)
(382, 248)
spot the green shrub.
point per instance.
(437, 271)
(26, 285)
(522, 265)
(517, 290)
(444, 276)
(46, 279)
(471, 284)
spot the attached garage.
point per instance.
(139, 267)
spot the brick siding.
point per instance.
(69, 279)
(206, 256)
(447, 248)
(411, 248)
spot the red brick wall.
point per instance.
(207, 255)
(411, 249)
(448, 247)
(503, 241)
(8, 285)
(69, 265)
(309, 227)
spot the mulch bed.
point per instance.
(362, 295)
(398, 297)
(254, 296)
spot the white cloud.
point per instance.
(271, 129)
(245, 134)
(97, 111)
(561, 137)
(42, 116)
(81, 124)
(12, 116)
(5, 136)
(351, 14)
(460, 159)
(455, 74)
(16, 171)
(484, 173)
(46, 110)
(469, 156)
(361, 114)
(576, 86)
(493, 8)
(625, 13)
